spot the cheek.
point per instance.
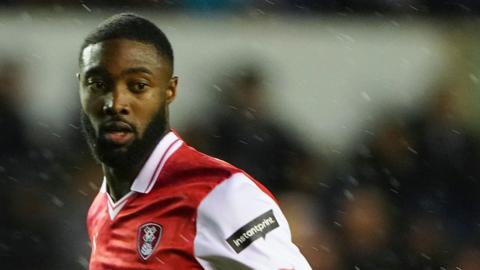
(147, 112)
(83, 99)
(146, 116)
(90, 106)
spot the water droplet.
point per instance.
(366, 96)
(86, 7)
(349, 195)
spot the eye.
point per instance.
(138, 86)
(96, 85)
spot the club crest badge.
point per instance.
(148, 238)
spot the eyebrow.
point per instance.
(95, 71)
(137, 70)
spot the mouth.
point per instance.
(117, 133)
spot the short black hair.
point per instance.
(133, 27)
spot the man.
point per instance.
(162, 204)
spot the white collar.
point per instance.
(148, 175)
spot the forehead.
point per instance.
(117, 54)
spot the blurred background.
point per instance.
(361, 116)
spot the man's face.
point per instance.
(125, 89)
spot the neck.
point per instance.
(120, 179)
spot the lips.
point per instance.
(117, 132)
(120, 138)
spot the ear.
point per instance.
(171, 91)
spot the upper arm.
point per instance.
(241, 227)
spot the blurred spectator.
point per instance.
(13, 145)
(449, 156)
(239, 131)
(365, 205)
(14, 140)
(315, 241)
(367, 235)
(35, 190)
(24, 231)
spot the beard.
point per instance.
(135, 153)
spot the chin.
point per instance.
(113, 157)
(114, 161)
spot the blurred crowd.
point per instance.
(405, 197)
(45, 188)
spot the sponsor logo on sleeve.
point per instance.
(149, 235)
(259, 227)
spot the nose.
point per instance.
(116, 102)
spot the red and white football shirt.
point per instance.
(187, 210)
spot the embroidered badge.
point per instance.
(148, 238)
(259, 227)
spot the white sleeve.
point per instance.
(241, 227)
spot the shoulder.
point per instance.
(239, 224)
(234, 201)
(193, 174)
(222, 181)
(188, 164)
